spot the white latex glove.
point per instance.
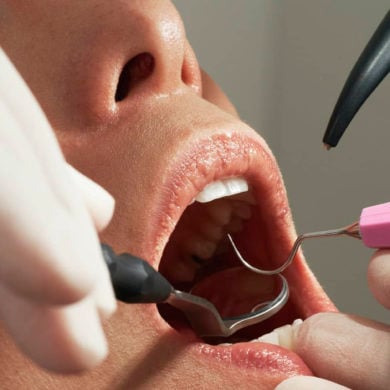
(346, 349)
(54, 285)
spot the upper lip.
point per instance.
(232, 153)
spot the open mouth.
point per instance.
(251, 206)
(199, 259)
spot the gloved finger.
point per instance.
(36, 231)
(31, 127)
(30, 118)
(103, 293)
(49, 247)
(60, 338)
(101, 207)
(98, 201)
(308, 383)
(379, 276)
(346, 349)
(42, 254)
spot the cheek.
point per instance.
(122, 161)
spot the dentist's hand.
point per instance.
(346, 349)
(54, 285)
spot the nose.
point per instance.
(159, 58)
(95, 59)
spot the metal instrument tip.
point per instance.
(327, 146)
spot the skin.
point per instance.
(127, 147)
(71, 55)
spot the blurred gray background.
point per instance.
(283, 64)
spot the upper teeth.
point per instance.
(221, 188)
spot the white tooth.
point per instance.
(201, 247)
(286, 333)
(236, 185)
(212, 191)
(297, 322)
(270, 338)
(282, 336)
(221, 188)
(295, 326)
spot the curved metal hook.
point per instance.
(350, 230)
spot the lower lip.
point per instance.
(266, 359)
(269, 358)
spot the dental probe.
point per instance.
(370, 69)
(136, 281)
(373, 228)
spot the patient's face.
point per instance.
(122, 88)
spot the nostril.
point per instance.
(190, 72)
(137, 69)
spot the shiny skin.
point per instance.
(173, 132)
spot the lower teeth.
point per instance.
(282, 336)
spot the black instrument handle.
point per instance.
(134, 280)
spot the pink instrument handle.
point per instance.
(375, 226)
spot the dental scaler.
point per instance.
(370, 69)
(373, 228)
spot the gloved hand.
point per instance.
(54, 285)
(346, 349)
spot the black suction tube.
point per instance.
(370, 69)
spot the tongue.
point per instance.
(237, 291)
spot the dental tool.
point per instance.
(373, 228)
(135, 281)
(370, 69)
